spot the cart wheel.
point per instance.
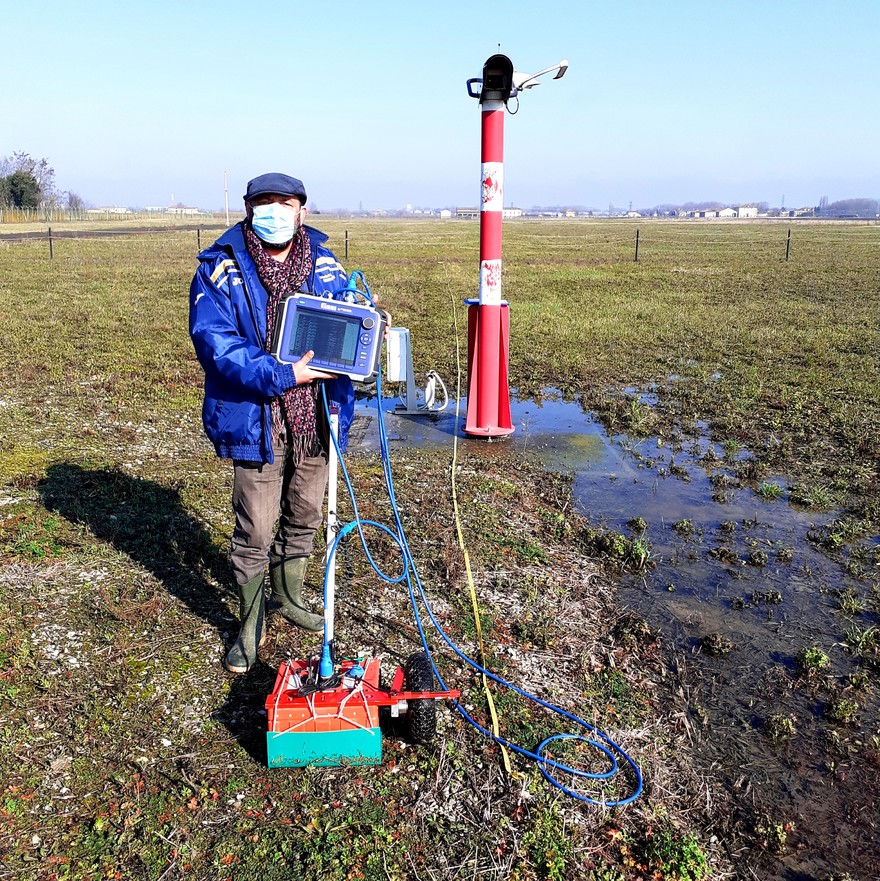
(421, 715)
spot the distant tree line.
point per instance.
(29, 183)
(863, 208)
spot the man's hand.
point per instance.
(385, 314)
(305, 374)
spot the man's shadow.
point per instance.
(149, 523)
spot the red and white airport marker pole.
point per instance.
(488, 409)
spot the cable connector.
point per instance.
(351, 292)
(325, 668)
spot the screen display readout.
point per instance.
(330, 337)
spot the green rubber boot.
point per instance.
(287, 586)
(251, 611)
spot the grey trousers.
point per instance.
(262, 494)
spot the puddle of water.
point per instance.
(741, 567)
(548, 424)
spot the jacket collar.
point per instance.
(233, 245)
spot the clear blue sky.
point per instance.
(734, 100)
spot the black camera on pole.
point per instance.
(500, 81)
(497, 81)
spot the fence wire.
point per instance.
(642, 244)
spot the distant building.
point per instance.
(185, 210)
(110, 209)
(727, 212)
(747, 211)
(445, 213)
(474, 213)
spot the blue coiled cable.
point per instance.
(607, 747)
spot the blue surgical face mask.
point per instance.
(275, 223)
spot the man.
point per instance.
(267, 417)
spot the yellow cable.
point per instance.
(467, 560)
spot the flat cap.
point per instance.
(276, 183)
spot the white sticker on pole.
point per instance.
(490, 283)
(492, 186)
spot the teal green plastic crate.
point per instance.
(295, 749)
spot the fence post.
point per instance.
(51, 255)
(346, 244)
(199, 238)
(636, 260)
(788, 245)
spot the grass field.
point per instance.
(128, 753)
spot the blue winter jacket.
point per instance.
(227, 323)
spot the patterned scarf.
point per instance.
(294, 413)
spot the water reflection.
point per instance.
(727, 562)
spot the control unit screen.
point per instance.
(333, 338)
